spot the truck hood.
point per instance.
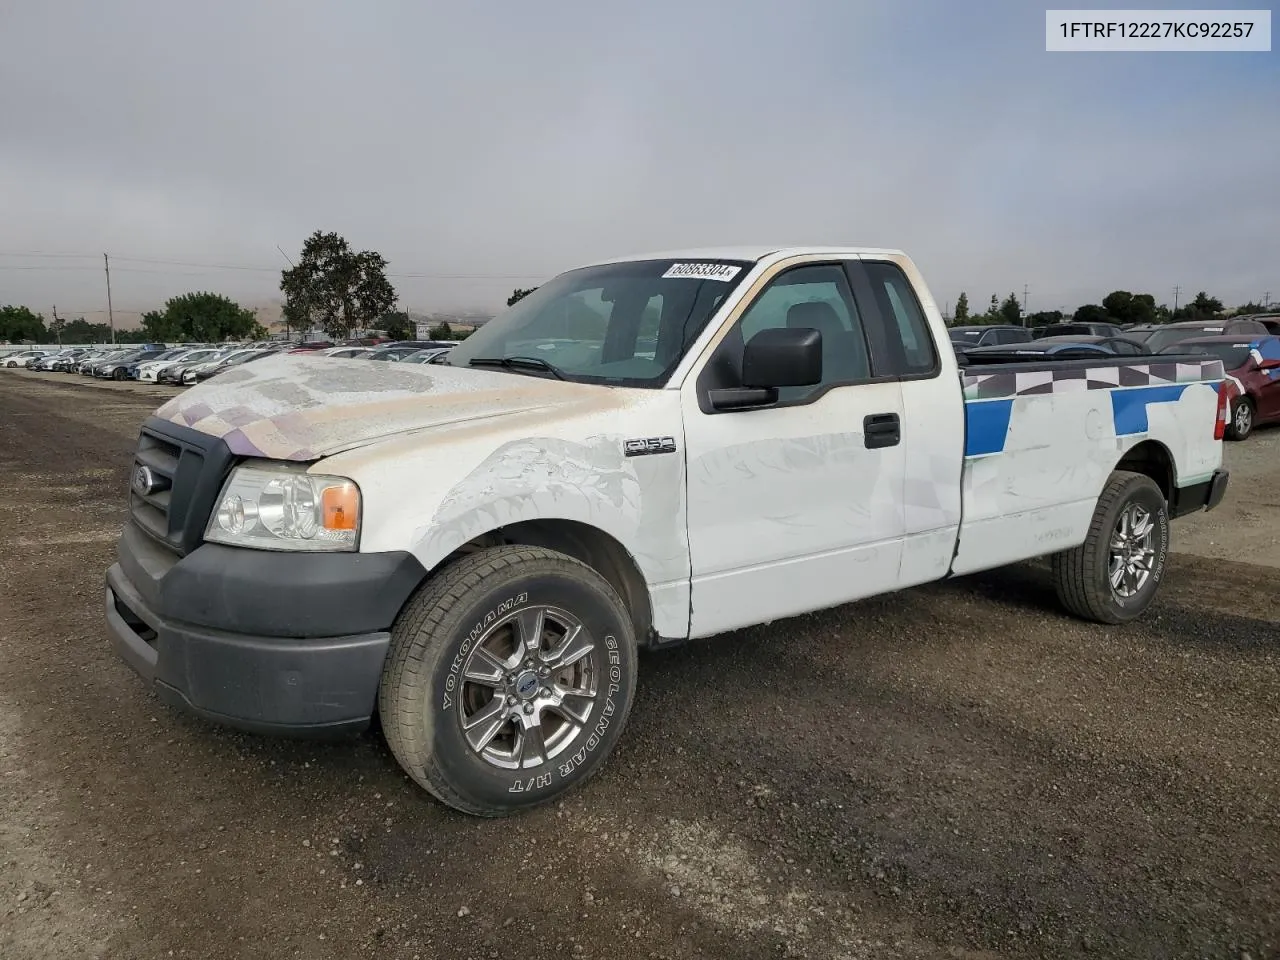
(298, 407)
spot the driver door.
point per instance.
(796, 506)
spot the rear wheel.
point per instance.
(1241, 420)
(119, 374)
(510, 677)
(1113, 576)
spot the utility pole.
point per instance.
(284, 313)
(57, 329)
(1176, 290)
(1266, 300)
(111, 317)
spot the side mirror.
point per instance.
(772, 359)
(783, 357)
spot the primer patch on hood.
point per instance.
(297, 407)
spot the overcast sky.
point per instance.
(511, 140)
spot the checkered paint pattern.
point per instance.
(990, 398)
(929, 492)
(1025, 383)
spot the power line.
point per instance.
(53, 256)
(411, 275)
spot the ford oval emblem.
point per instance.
(144, 481)
(527, 685)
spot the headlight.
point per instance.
(284, 508)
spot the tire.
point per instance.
(1082, 575)
(1241, 423)
(119, 373)
(486, 600)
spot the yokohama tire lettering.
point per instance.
(477, 631)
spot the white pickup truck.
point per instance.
(641, 452)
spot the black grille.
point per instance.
(187, 469)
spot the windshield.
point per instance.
(960, 336)
(1165, 338)
(626, 324)
(1232, 355)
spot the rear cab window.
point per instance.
(902, 343)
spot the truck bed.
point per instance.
(1042, 436)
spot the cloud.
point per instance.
(517, 140)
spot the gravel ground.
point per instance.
(956, 771)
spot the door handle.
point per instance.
(881, 430)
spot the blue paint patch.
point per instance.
(1129, 407)
(986, 424)
(1268, 349)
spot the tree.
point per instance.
(81, 331)
(1202, 308)
(201, 317)
(441, 331)
(19, 325)
(336, 287)
(518, 294)
(396, 325)
(1091, 313)
(137, 335)
(1043, 318)
(1247, 308)
(1125, 307)
(962, 309)
(992, 314)
(1011, 310)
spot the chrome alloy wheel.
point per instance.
(1243, 418)
(529, 687)
(1133, 550)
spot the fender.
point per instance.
(639, 501)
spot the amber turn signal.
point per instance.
(340, 507)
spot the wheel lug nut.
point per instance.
(543, 671)
(511, 701)
(546, 692)
(528, 708)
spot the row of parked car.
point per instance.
(150, 362)
(192, 363)
(1248, 346)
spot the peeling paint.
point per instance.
(434, 491)
(298, 407)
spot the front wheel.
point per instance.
(509, 679)
(1113, 576)
(120, 374)
(1241, 420)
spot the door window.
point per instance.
(815, 297)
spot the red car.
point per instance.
(310, 346)
(1252, 365)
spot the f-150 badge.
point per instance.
(644, 446)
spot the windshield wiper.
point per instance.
(512, 363)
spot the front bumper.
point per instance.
(268, 642)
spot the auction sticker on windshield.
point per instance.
(702, 271)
